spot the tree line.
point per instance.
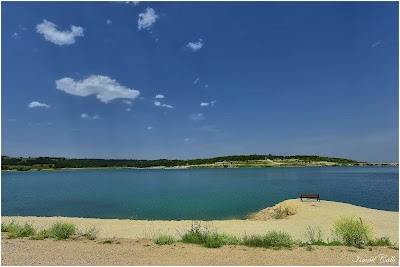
(58, 163)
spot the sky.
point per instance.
(150, 80)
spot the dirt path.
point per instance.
(145, 252)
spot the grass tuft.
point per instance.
(21, 230)
(60, 231)
(91, 234)
(382, 241)
(164, 240)
(7, 227)
(275, 239)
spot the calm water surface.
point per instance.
(190, 194)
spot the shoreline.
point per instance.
(200, 167)
(308, 213)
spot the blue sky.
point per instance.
(152, 80)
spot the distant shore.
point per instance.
(208, 166)
(235, 161)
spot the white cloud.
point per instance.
(158, 104)
(147, 19)
(376, 44)
(127, 102)
(128, 109)
(166, 106)
(86, 116)
(195, 46)
(196, 81)
(50, 33)
(197, 117)
(205, 104)
(206, 86)
(16, 35)
(105, 88)
(109, 22)
(36, 104)
(150, 128)
(135, 3)
(159, 96)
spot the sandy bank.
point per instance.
(309, 213)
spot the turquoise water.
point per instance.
(190, 194)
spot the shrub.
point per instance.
(164, 240)
(352, 232)
(60, 230)
(278, 239)
(213, 241)
(107, 241)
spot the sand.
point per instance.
(320, 214)
(136, 247)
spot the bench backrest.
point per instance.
(310, 195)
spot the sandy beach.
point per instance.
(136, 235)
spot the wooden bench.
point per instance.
(309, 196)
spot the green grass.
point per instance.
(352, 232)
(25, 230)
(164, 240)
(107, 241)
(382, 241)
(272, 239)
(60, 231)
(7, 227)
(202, 234)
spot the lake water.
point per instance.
(192, 193)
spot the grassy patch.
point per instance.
(313, 235)
(7, 227)
(21, 230)
(202, 234)
(382, 241)
(164, 240)
(283, 211)
(271, 239)
(91, 234)
(352, 231)
(107, 241)
(60, 230)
